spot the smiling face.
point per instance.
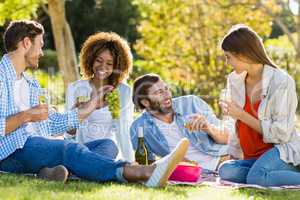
(103, 65)
(34, 52)
(159, 98)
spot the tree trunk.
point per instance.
(298, 33)
(64, 42)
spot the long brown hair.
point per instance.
(117, 46)
(242, 40)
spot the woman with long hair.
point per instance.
(105, 59)
(265, 144)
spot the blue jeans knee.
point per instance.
(104, 147)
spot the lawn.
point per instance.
(26, 188)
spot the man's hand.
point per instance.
(197, 122)
(37, 113)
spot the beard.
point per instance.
(155, 106)
(31, 61)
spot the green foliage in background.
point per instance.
(53, 82)
(87, 17)
(49, 61)
(16, 9)
(180, 41)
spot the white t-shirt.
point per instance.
(99, 124)
(173, 135)
(21, 98)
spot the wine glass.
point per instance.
(82, 95)
(44, 97)
(225, 96)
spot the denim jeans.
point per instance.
(268, 170)
(104, 147)
(93, 161)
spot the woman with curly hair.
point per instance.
(105, 59)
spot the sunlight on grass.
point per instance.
(20, 187)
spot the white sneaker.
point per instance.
(166, 165)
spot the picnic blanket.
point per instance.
(210, 179)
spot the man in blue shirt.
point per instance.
(25, 124)
(166, 120)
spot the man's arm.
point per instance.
(60, 123)
(15, 121)
(199, 123)
(208, 122)
(34, 114)
(219, 136)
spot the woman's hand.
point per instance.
(99, 95)
(231, 109)
(78, 104)
(96, 102)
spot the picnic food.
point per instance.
(113, 100)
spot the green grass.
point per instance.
(26, 188)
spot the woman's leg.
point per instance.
(235, 170)
(270, 170)
(104, 147)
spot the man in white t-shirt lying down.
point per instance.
(166, 121)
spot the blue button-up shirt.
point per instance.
(183, 106)
(56, 123)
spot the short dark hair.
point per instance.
(18, 30)
(141, 86)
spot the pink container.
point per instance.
(186, 172)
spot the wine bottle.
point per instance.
(141, 153)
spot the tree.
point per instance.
(87, 17)
(180, 41)
(15, 9)
(64, 42)
(26, 9)
(294, 39)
